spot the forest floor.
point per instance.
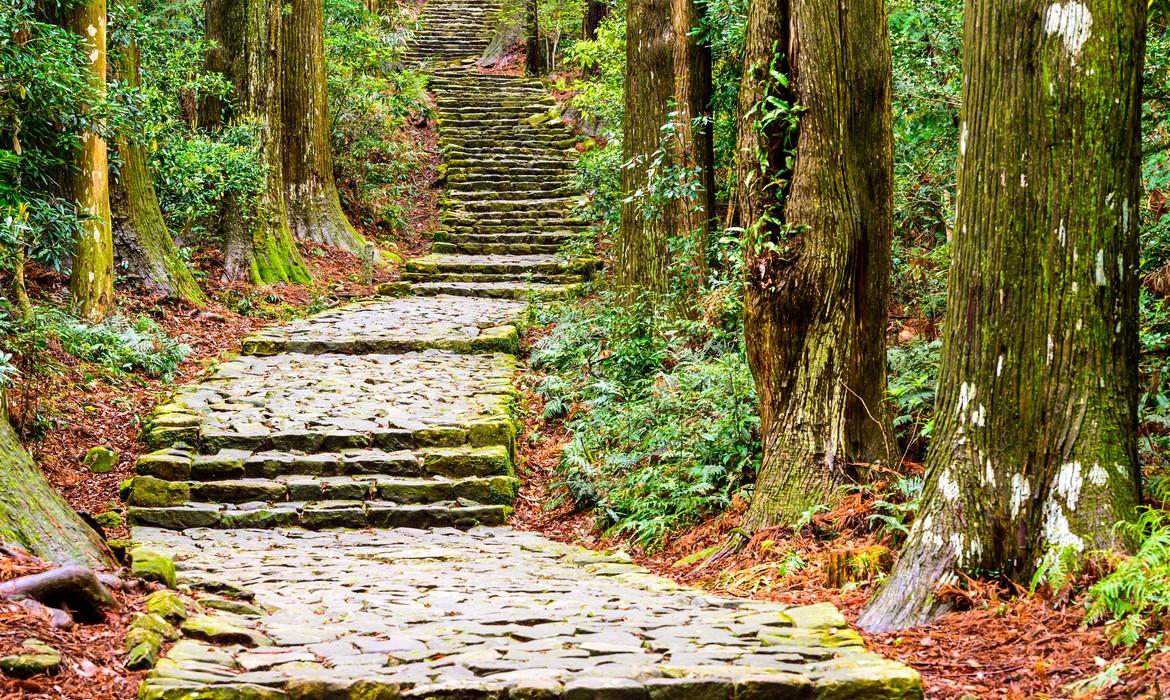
(999, 644)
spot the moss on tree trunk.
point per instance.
(1034, 447)
(817, 241)
(642, 257)
(258, 245)
(311, 198)
(144, 244)
(34, 517)
(92, 280)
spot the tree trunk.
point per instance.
(38, 520)
(817, 241)
(258, 247)
(216, 60)
(1034, 447)
(314, 207)
(694, 146)
(92, 280)
(643, 258)
(534, 55)
(144, 243)
(595, 12)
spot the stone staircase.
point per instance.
(508, 200)
(453, 30)
(384, 414)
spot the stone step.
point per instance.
(530, 237)
(180, 463)
(514, 264)
(496, 290)
(321, 515)
(496, 248)
(150, 492)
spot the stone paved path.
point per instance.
(336, 497)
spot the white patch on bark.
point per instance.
(1098, 476)
(93, 56)
(91, 30)
(958, 548)
(1021, 492)
(91, 276)
(989, 473)
(1072, 23)
(1057, 532)
(979, 416)
(1051, 349)
(1121, 266)
(1024, 180)
(1125, 214)
(1061, 234)
(963, 140)
(999, 366)
(948, 485)
(1109, 199)
(966, 396)
(1100, 271)
(1068, 483)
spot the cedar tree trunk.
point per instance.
(817, 241)
(314, 208)
(38, 520)
(92, 278)
(144, 243)
(258, 246)
(534, 53)
(694, 147)
(643, 258)
(1034, 448)
(595, 12)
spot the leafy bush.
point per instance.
(1137, 593)
(117, 344)
(913, 377)
(663, 434)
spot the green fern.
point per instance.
(1138, 590)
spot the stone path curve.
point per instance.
(336, 498)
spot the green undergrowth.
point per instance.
(664, 427)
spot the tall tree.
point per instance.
(595, 12)
(314, 207)
(814, 168)
(92, 278)
(258, 245)
(534, 52)
(693, 142)
(35, 518)
(1034, 447)
(643, 258)
(144, 244)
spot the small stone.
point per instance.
(109, 520)
(142, 656)
(154, 623)
(41, 658)
(152, 565)
(819, 616)
(100, 460)
(219, 630)
(236, 607)
(167, 605)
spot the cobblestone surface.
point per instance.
(490, 612)
(398, 325)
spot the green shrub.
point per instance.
(118, 345)
(1137, 593)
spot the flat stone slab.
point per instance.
(462, 324)
(331, 402)
(496, 613)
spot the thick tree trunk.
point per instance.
(1034, 447)
(92, 278)
(595, 12)
(38, 520)
(817, 240)
(534, 52)
(643, 257)
(260, 247)
(314, 207)
(143, 241)
(694, 146)
(210, 113)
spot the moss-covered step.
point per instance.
(152, 492)
(497, 290)
(353, 514)
(332, 402)
(398, 325)
(181, 463)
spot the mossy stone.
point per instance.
(219, 630)
(155, 623)
(143, 656)
(150, 492)
(100, 460)
(168, 605)
(153, 565)
(40, 658)
(110, 520)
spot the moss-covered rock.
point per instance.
(221, 630)
(100, 460)
(168, 605)
(153, 623)
(39, 659)
(151, 492)
(152, 565)
(109, 520)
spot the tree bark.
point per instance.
(694, 145)
(1034, 447)
(314, 207)
(74, 587)
(258, 246)
(35, 518)
(595, 12)
(143, 241)
(642, 256)
(92, 279)
(817, 236)
(534, 53)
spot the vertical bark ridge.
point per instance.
(1034, 448)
